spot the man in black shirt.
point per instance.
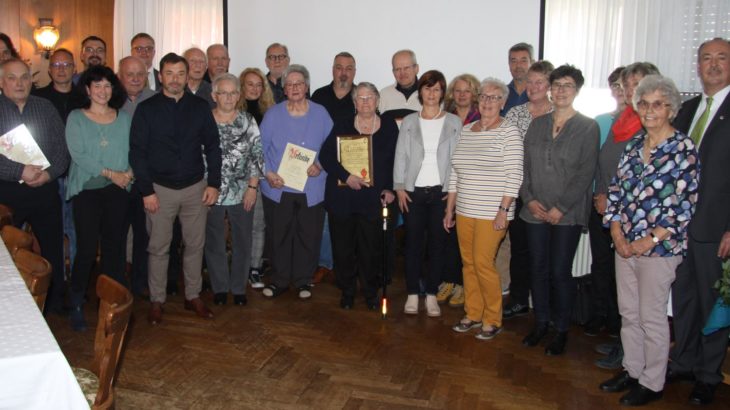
(277, 60)
(170, 133)
(336, 97)
(58, 92)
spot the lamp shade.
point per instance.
(46, 35)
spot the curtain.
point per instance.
(600, 35)
(176, 25)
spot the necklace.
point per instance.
(420, 114)
(491, 125)
(363, 129)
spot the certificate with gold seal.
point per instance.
(355, 153)
(294, 164)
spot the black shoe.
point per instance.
(272, 291)
(240, 300)
(220, 299)
(702, 394)
(346, 302)
(372, 303)
(557, 346)
(639, 396)
(594, 326)
(619, 382)
(613, 360)
(674, 376)
(537, 333)
(172, 289)
(604, 348)
(515, 310)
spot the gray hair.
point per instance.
(346, 55)
(226, 77)
(272, 45)
(642, 68)
(296, 68)
(410, 53)
(214, 46)
(369, 86)
(496, 83)
(192, 49)
(522, 47)
(665, 86)
(12, 60)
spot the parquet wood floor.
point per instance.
(292, 354)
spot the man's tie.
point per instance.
(699, 128)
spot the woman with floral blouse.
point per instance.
(240, 171)
(650, 203)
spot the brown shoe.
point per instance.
(320, 274)
(155, 314)
(199, 307)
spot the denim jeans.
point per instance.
(552, 248)
(425, 216)
(325, 250)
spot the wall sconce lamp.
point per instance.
(46, 36)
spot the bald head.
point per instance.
(218, 60)
(15, 81)
(198, 63)
(132, 74)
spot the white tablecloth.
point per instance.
(34, 373)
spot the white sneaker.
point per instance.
(411, 305)
(432, 306)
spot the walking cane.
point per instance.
(384, 214)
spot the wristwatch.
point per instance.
(654, 238)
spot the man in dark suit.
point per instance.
(706, 119)
(143, 47)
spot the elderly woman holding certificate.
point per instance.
(292, 134)
(354, 209)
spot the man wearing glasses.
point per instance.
(58, 91)
(143, 47)
(93, 52)
(402, 96)
(277, 60)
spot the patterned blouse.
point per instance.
(521, 117)
(661, 193)
(242, 157)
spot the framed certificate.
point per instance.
(355, 153)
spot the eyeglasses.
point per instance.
(489, 98)
(295, 85)
(228, 94)
(277, 57)
(365, 98)
(563, 86)
(61, 65)
(92, 50)
(146, 49)
(655, 105)
(402, 69)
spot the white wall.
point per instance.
(454, 36)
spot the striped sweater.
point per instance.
(485, 167)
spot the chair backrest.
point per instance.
(36, 272)
(16, 238)
(6, 215)
(115, 308)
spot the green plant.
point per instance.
(723, 284)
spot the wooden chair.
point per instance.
(115, 308)
(36, 272)
(16, 238)
(6, 215)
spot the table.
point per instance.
(34, 373)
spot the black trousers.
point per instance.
(425, 215)
(99, 217)
(452, 259)
(357, 250)
(295, 230)
(693, 297)
(603, 291)
(137, 220)
(41, 207)
(519, 263)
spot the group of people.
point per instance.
(464, 163)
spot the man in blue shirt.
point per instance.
(520, 60)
